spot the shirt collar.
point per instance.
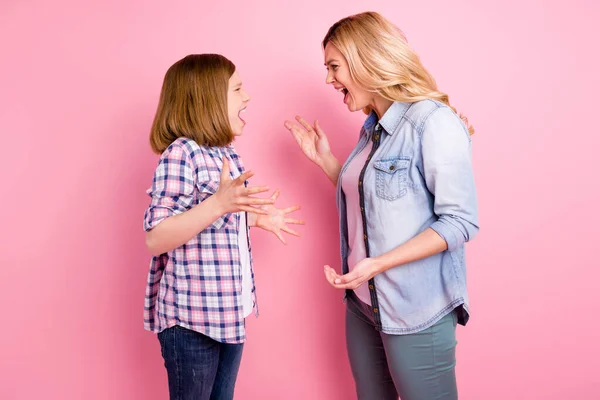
(391, 119)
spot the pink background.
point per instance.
(79, 85)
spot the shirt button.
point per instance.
(365, 235)
(359, 183)
(376, 310)
(371, 287)
(392, 167)
(362, 209)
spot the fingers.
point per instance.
(275, 195)
(294, 221)
(244, 177)
(350, 285)
(225, 170)
(253, 210)
(288, 124)
(245, 200)
(299, 133)
(348, 281)
(344, 279)
(256, 190)
(329, 275)
(305, 124)
(351, 280)
(280, 236)
(291, 209)
(295, 130)
(290, 231)
(318, 130)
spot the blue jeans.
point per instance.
(417, 366)
(198, 367)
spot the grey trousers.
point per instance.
(418, 366)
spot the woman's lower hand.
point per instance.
(361, 273)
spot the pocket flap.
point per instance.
(391, 166)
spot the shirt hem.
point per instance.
(187, 326)
(441, 314)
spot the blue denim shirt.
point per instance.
(417, 176)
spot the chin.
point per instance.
(353, 107)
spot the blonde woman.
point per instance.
(407, 203)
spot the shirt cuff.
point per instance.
(448, 233)
(156, 215)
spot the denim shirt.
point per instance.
(417, 176)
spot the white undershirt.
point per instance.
(356, 242)
(247, 301)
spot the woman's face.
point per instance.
(237, 100)
(338, 75)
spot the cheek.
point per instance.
(360, 94)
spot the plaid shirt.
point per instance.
(198, 285)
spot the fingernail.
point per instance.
(338, 281)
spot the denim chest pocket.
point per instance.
(392, 176)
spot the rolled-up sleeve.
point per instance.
(448, 172)
(172, 188)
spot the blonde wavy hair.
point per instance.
(381, 60)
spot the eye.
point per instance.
(238, 89)
(335, 67)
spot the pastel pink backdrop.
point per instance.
(79, 84)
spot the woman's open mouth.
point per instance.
(345, 92)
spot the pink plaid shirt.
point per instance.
(198, 285)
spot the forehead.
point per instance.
(235, 79)
(331, 53)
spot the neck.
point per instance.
(380, 105)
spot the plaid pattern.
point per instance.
(198, 285)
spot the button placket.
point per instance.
(376, 137)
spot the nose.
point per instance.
(329, 78)
(246, 97)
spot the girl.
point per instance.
(201, 280)
(407, 204)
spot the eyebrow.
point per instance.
(331, 61)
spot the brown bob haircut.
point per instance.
(193, 103)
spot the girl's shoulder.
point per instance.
(195, 154)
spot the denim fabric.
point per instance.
(198, 367)
(418, 176)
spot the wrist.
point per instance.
(328, 160)
(379, 265)
(217, 205)
(252, 217)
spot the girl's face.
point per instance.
(237, 100)
(338, 74)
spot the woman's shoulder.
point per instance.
(423, 111)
